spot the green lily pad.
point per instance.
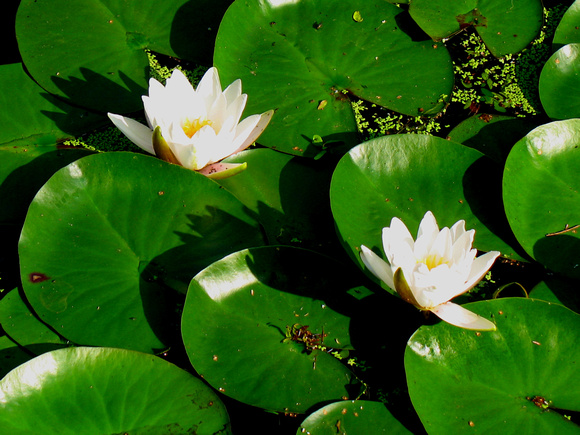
(243, 320)
(560, 83)
(109, 239)
(11, 355)
(404, 176)
(20, 323)
(518, 379)
(307, 59)
(541, 191)
(30, 116)
(568, 30)
(107, 391)
(505, 27)
(492, 135)
(24, 170)
(288, 195)
(92, 52)
(558, 290)
(355, 417)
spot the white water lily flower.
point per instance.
(432, 270)
(195, 128)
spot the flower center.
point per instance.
(434, 260)
(191, 127)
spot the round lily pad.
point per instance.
(256, 323)
(93, 52)
(568, 30)
(404, 176)
(560, 83)
(307, 59)
(107, 391)
(355, 417)
(517, 379)
(111, 240)
(541, 191)
(505, 27)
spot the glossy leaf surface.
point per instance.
(560, 83)
(307, 58)
(568, 30)
(30, 116)
(505, 27)
(507, 381)
(356, 417)
(241, 324)
(107, 391)
(541, 191)
(93, 51)
(111, 239)
(404, 176)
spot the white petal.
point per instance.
(442, 245)
(428, 226)
(225, 142)
(136, 132)
(204, 148)
(479, 268)
(399, 245)
(459, 316)
(233, 91)
(236, 107)
(426, 235)
(209, 86)
(462, 246)
(217, 112)
(178, 84)
(246, 135)
(156, 89)
(458, 229)
(378, 267)
(446, 283)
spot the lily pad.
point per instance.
(558, 290)
(541, 191)
(560, 83)
(505, 27)
(107, 391)
(493, 135)
(288, 195)
(93, 52)
(404, 176)
(11, 355)
(307, 59)
(517, 379)
(111, 239)
(30, 116)
(568, 30)
(254, 322)
(24, 170)
(20, 323)
(355, 417)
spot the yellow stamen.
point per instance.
(192, 127)
(434, 260)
